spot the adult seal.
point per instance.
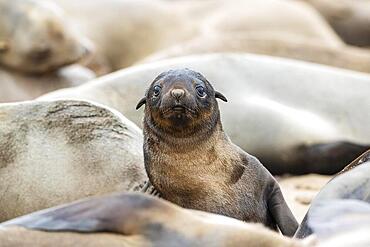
(350, 19)
(342, 206)
(278, 116)
(17, 86)
(347, 57)
(36, 38)
(131, 220)
(192, 162)
(185, 20)
(60, 151)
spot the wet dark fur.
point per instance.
(191, 161)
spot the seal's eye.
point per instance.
(157, 90)
(201, 91)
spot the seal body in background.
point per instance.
(59, 151)
(342, 206)
(292, 122)
(36, 38)
(16, 86)
(131, 220)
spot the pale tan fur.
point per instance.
(16, 86)
(202, 235)
(36, 38)
(57, 152)
(286, 45)
(267, 103)
(349, 18)
(154, 223)
(121, 29)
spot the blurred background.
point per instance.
(46, 45)
(40, 40)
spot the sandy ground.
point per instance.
(300, 190)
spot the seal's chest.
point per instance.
(184, 167)
(188, 191)
(188, 179)
(184, 177)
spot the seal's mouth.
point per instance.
(179, 109)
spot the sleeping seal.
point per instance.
(35, 37)
(134, 219)
(59, 151)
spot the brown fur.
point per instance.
(191, 161)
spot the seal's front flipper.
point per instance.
(115, 213)
(328, 158)
(281, 212)
(148, 188)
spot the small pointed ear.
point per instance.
(141, 102)
(220, 96)
(4, 46)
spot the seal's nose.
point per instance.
(177, 93)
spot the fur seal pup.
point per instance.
(345, 196)
(131, 220)
(192, 162)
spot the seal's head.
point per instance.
(36, 38)
(181, 102)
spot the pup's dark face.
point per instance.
(181, 102)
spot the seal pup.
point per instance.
(135, 219)
(192, 162)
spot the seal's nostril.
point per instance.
(177, 93)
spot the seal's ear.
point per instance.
(141, 102)
(4, 46)
(220, 96)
